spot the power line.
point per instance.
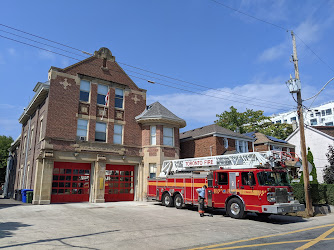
(39, 47)
(40, 37)
(144, 78)
(202, 86)
(219, 90)
(42, 43)
(275, 25)
(254, 17)
(315, 53)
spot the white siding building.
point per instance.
(322, 115)
(318, 142)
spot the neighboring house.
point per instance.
(266, 143)
(8, 189)
(213, 140)
(321, 115)
(317, 138)
(87, 135)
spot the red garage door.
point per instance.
(71, 182)
(119, 183)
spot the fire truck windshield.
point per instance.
(273, 179)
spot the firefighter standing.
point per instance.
(201, 197)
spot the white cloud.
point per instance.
(273, 53)
(46, 55)
(263, 94)
(270, 95)
(11, 51)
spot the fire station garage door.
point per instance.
(71, 182)
(119, 183)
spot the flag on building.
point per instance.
(106, 99)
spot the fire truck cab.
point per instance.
(240, 183)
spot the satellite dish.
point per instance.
(308, 164)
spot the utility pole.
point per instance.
(306, 174)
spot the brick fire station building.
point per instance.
(88, 135)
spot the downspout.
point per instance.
(253, 146)
(9, 166)
(26, 154)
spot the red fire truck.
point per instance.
(246, 182)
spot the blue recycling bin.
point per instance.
(24, 194)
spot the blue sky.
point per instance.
(240, 61)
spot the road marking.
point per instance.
(261, 237)
(316, 240)
(268, 244)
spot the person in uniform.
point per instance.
(201, 197)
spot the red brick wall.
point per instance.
(261, 147)
(201, 147)
(63, 107)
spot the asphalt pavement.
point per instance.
(146, 225)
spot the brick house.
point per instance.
(266, 143)
(87, 135)
(213, 140)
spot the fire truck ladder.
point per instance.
(234, 161)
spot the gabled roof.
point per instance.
(158, 113)
(329, 130)
(42, 90)
(93, 67)
(215, 130)
(262, 138)
(314, 129)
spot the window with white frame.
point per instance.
(102, 91)
(153, 135)
(31, 137)
(24, 144)
(40, 130)
(226, 143)
(100, 131)
(84, 90)
(118, 134)
(328, 111)
(314, 122)
(241, 146)
(119, 95)
(153, 170)
(168, 138)
(277, 148)
(82, 129)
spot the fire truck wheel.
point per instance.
(235, 208)
(178, 201)
(168, 200)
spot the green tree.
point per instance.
(313, 171)
(329, 170)
(251, 120)
(4, 146)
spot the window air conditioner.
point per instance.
(82, 138)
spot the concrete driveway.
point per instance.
(131, 225)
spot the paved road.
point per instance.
(142, 225)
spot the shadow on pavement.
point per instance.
(7, 228)
(275, 219)
(272, 219)
(61, 240)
